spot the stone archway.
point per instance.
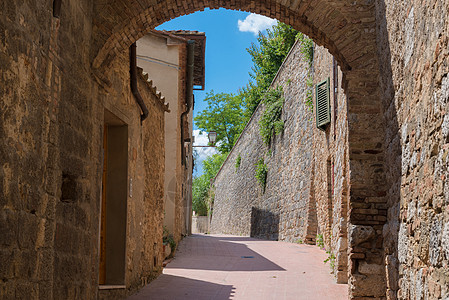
(348, 30)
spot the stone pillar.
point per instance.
(367, 196)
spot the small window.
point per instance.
(323, 111)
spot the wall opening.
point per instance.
(113, 201)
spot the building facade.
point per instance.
(164, 56)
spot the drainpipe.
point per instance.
(189, 91)
(133, 81)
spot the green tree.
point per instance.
(267, 58)
(201, 184)
(223, 115)
(200, 188)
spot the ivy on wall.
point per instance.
(238, 161)
(309, 93)
(306, 47)
(270, 123)
(261, 173)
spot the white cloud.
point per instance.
(203, 153)
(255, 23)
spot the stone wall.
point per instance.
(394, 58)
(330, 161)
(48, 133)
(307, 186)
(415, 64)
(200, 224)
(281, 212)
(143, 256)
(52, 117)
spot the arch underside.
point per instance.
(346, 28)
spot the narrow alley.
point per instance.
(234, 267)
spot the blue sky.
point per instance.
(228, 34)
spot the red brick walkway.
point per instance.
(222, 267)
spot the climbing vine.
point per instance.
(270, 123)
(261, 173)
(306, 47)
(309, 93)
(238, 161)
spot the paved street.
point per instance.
(232, 267)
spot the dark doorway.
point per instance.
(113, 201)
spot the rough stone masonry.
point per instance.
(241, 206)
(306, 191)
(56, 74)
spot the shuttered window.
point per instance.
(323, 110)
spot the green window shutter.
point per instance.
(323, 109)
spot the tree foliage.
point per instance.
(223, 115)
(201, 184)
(200, 188)
(267, 58)
(227, 114)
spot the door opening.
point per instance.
(113, 201)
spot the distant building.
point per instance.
(165, 57)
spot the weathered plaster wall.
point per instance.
(164, 74)
(240, 206)
(164, 60)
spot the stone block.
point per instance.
(45, 265)
(367, 286)
(341, 276)
(7, 289)
(357, 256)
(7, 260)
(28, 230)
(434, 242)
(359, 234)
(434, 289)
(391, 294)
(25, 264)
(369, 269)
(402, 243)
(445, 240)
(8, 227)
(45, 290)
(392, 272)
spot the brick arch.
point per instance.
(343, 28)
(347, 28)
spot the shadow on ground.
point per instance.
(184, 288)
(221, 254)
